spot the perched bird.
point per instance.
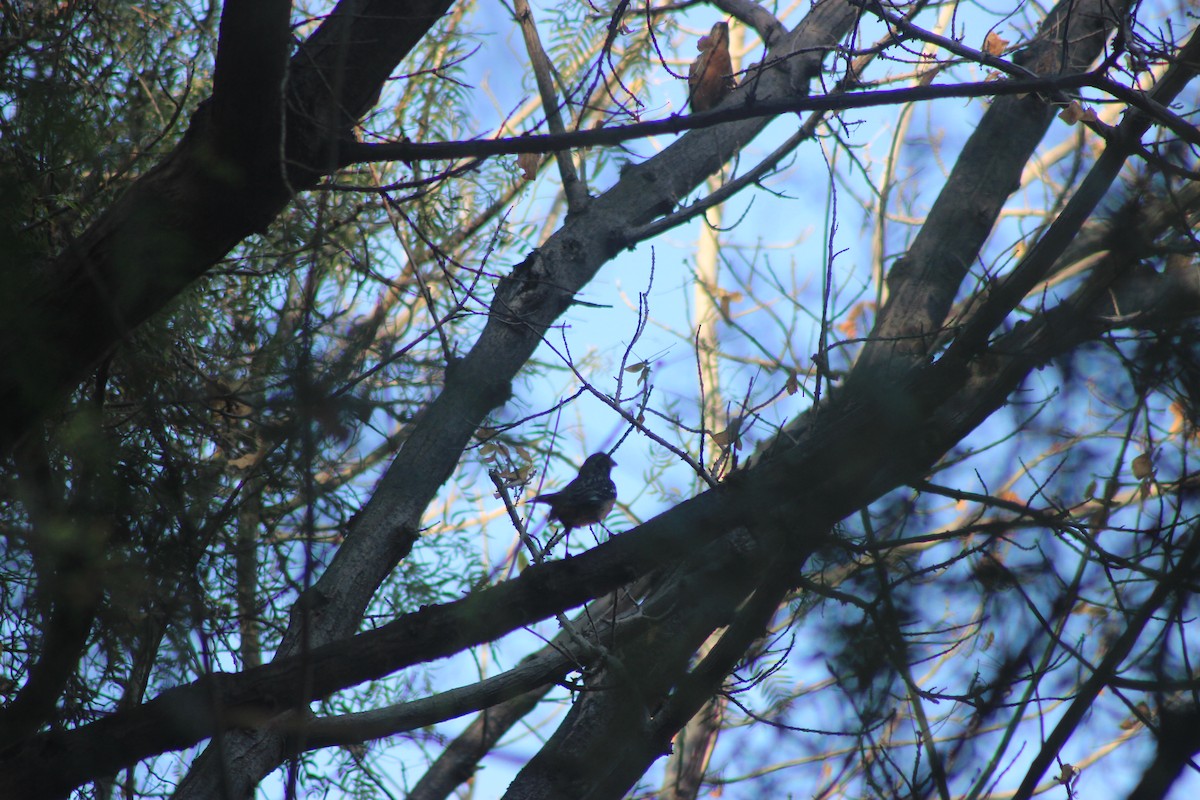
(710, 75)
(585, 500)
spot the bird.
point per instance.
(709, 76)
(587, 499)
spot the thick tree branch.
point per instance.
(248, 76)
(862, 448)
(1040, 259)
(248, 149)
(526, 303)
(574, 189)
(461, 757)
(645, 744)
(611, 616)
(750, 108)
(1178, 742)
(815, 480)
(1081, 703)
(621, 699)
(924, 281)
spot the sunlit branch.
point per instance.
(358, 152)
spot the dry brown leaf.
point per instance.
(1067, 773)
(731, 436)
(710, 76)
(1077, 113)
(247, 461)
(528, 164)
(993, 45)
(849, 326)
(725, 299)
(1178, 418)
(1143, 467)
(926, 76)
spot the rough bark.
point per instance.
(852, 449)
(526, 303)
(875, 451)
(270, 129)
(1178, 743)
(923, 282)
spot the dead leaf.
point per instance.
(993, 45)
(1143, 467)
(729, 436)
(247, 461)
(1178, 418)
(1077, 113)
(725, 299)
(528, 163)
(710, 76)
(793, 383)
(925, 76)
(850, 326)
(1067, 774)
(1131, 722)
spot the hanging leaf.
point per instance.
(793, 383)
(1143, 467)
(528, 164)
(928, 68)
(710, 76)
(993, 45)
(1077, 113)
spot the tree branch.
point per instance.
(924, 281)
(751, 108)
(247, 150)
